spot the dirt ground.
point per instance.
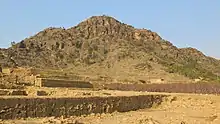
(176, 109)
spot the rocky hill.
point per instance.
(101, 45)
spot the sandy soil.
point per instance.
(176, 109)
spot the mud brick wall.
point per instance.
(64, 83)
(14, 108)
(200, 88)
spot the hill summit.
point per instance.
(102, 45)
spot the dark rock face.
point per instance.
(99, 26)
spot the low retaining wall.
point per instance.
(62, 83)
(10, 92)
(200, 88)
(14, 108)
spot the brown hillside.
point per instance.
(101, 45)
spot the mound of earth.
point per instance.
(102, 45)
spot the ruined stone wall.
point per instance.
(64, 83)
(17, 107)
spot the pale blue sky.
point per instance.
(185, 23)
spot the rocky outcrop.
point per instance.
(103, 40)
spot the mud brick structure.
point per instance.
(62, 83)
(199, 88)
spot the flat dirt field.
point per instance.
(175, 109)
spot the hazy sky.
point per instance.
(185, 23)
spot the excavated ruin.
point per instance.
(24, 107)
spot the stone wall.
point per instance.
(62, 83)
(24, 107)
(198, 88)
